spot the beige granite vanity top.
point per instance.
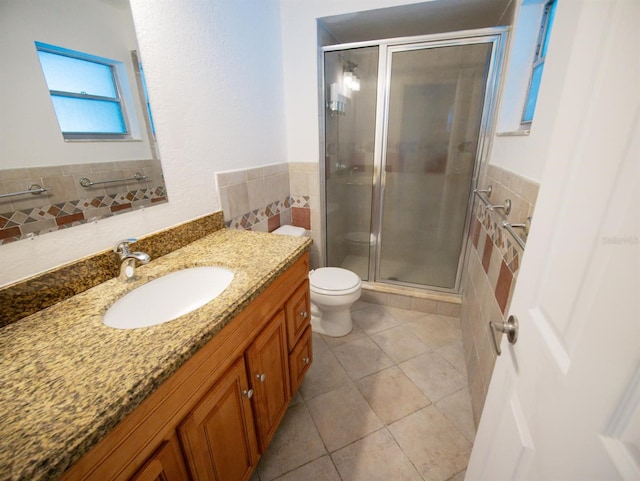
(66, 379)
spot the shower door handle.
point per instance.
(510, 328)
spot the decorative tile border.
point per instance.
(26, 223)
(491, 274)
(509, 250)
(250, 219)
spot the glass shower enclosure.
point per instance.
(405, 128)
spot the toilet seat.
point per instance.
(333, 281)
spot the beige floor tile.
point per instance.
(391, 394)
(325, 374)
(342, 416)
(459, 477)
(400, 343)
(376, 457)
(437, 331)
(356, 333)
(434, 376)
(360, 304)
(457, 409)
(319, 344)
(433, 444)
(362, 357)
(297, 397)
(374, 319)
(404, 315)
(454, 354)
(295, 443)
(321, 469)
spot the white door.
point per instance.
(564, 401)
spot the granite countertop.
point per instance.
(67, 379)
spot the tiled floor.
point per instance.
(388, 402)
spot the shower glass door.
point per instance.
(434, 111)
(351, 79)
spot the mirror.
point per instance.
(48, 183)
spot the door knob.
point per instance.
(303, 314)
(261, 377)
(248, 393)
(510, 328)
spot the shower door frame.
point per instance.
(497, 36)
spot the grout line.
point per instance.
(354, 383)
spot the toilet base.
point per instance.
(331, 323)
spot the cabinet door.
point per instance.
(298, 310)
(267, 360)
(300, 360)
(218, 435)
(164, 465)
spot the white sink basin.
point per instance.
(168, 297)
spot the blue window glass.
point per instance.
(532, 98)
(146, 97)
(88, 115)
(538, 61)
(84, 93)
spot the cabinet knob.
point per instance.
(261, 377)
(306, 360)
(303, 314)
(248, 393)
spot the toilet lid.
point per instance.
(333, 279)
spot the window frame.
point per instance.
(118, 99)
(539, 58)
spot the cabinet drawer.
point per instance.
(300, 360)
(298, 311)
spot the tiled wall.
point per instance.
(67, 203)
(493, 261)
(264, 198)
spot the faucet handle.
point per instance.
(123, 244)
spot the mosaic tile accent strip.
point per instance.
(250, 219)
(508, 248)
(26, 223)
(39, 292)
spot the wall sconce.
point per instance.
(351, 81)
(341, 90)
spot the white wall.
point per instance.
(31, 136)
(300, 58)
(521, 153)
(214, 74)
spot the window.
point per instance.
(84, 92)
(538, 61)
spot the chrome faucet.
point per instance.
(128, 259)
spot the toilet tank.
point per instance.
(290, 230)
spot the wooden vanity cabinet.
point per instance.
(267, 363)
(215, 416)
(298, 312)
(218, 436)
(300, 360)
(164, 465)
(298, 308)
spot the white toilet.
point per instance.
(333, 291)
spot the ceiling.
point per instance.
(436, 16)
